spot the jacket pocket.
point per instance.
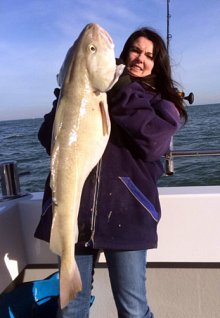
(142, 199)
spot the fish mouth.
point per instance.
(107, 37)
(97, 29)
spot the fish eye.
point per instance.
(92, 48)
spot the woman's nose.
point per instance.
(141, 57)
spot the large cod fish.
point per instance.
(80, 134)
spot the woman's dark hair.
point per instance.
(162, 69)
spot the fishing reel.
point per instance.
(169, 162)
(189, 98)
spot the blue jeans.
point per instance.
(127, 272)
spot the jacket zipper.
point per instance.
(95, 201)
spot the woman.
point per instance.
(120, 206)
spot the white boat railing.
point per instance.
(171, 154)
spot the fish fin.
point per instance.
(118, 71)
(104, 119)
(55, 241)
(70, 283)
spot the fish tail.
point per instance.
(70, 283)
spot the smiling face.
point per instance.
(140, 60)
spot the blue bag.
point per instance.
(37, 299)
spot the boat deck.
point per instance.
(183, 274)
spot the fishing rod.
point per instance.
(190, 97)
(169, 36)
(171, 153)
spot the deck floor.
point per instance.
(172, 292)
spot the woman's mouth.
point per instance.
(136, 67)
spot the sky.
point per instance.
(36, 34)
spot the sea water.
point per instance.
(19, 142)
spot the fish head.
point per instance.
(91, 58)
(100, 57)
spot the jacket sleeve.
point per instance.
(45, 131)
(148, 120)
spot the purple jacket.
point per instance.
(120, 206)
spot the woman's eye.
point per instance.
(92, 48)
(134, 49)
(150, 57)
